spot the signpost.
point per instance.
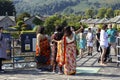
(28, 42)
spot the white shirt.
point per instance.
(89, 36)
(103, 38)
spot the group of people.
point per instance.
(66, 43)
(59, 52)
(105, 38)
(63, 50)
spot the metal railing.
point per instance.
(18, 59)
(118, 51)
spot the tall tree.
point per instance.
(101, 12)
(116, 12)
(7, 7)
(109, 13)
(50, 23)
(22, 16)
(89, 13)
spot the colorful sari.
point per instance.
(53, 50)
(44, 50)
(60, 54)
(67, 57)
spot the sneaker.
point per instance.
(53, 71)
(89, 54)
(60, 73)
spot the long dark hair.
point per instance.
(40, 30)
(59, 34)
(67, 31)
(104, 27)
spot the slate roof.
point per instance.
(115, 19)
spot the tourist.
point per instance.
(112, 37)
(42, 50)
(69, 52)
(90, 38)
(103, 44)
(82, 41)
(55, 38)
(98, 40)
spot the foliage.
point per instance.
(116, 12)
(109, 13)
(28, 32)
(22, 16)
(89, 13)
(19, 24)
(35, 28)
(85, 25)
(7, 6)
(37, 21)
(50, 7)
(50, 23)
(24, 27)
(100, 26)
(118, 28)
(14, 34)
(101, 13)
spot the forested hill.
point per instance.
(49, 7)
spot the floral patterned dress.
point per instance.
(44, 50)
(67, 56)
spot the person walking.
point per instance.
(82, 41)
(112, 38)
(3, 54)
(42, 50)
(103, 44)
(89, 38)
(98, 40)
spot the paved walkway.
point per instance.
(111, 72)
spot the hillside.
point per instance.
(49, 7)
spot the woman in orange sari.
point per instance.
(42, 48)
(67, 57)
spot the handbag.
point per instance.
(41, 59)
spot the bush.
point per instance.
(15, 34)
(28, 32)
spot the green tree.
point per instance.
(19, 25)
(50, 23)
(25, 27)
(7, 6)
(116, 12)
(37, 21)
(89, 13)
(101, 12)
(109, 13)
(22, 16)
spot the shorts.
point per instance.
(90, 44)
(113, 45)
(102, 46)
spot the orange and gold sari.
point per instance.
(66, 56)
(44, 49)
